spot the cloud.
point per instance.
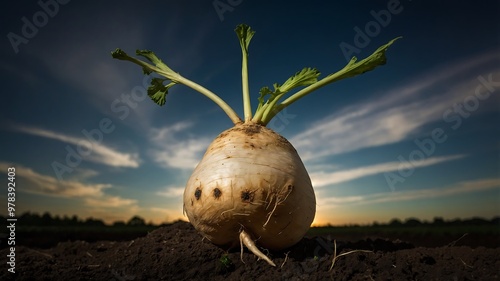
(394, 116)
(173, 150)
(109, 202)
(82, 174)
(325, 202)
(99, 153)
(46, 185)
(320, 179)
(92, 195)
(172, 192)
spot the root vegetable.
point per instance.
(250, 178)
(251, 186)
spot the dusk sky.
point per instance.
(417, 137)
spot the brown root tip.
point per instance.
(248, 242)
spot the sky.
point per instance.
(417, 137)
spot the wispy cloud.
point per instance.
(325, 202)
(82, 174)
(394, 116)
(109, 202)
(171, 150)
(92, 194)
(320, 179)
(172, 191)
(99, 153)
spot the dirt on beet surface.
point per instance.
(177, 252)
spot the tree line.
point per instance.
(440, 221)
(437, 221)
(46, 219)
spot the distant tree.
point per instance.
(412, 222)
(75, 220)
(56, 220)
(66, 220)
(94, 222)
(395, 222)
(119, 223)
(47, 219)
(476, 221)
(456, 221)
(438, 221)
(136, 221)
(32, 219)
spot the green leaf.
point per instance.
(378, 58)
(245, 34)
(264, 91)
(305, 77)
(119, 54)
(151, 56)
(353, 68)
(157, 91)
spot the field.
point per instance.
(178, 252)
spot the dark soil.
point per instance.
(177, 252)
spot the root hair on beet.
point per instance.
(335, 256)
